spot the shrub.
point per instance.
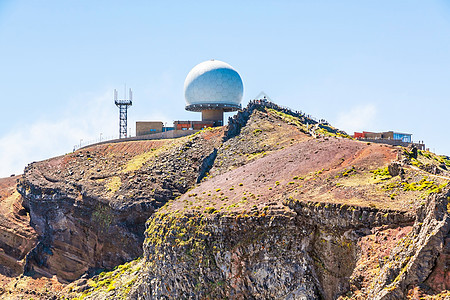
(210, 210)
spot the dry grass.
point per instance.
(138, 161)
(113, 185)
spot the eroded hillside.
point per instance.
(273, 206)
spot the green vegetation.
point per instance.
(414, 161)
(188, 235)
(113, 184)
(289, 119)
(423, 185)
(102, 217)
(117, 282)
(257, 131)
(445, 160)
(381, 173)
(255, 155)
(428, 186)
(210, 210)
(138, 161)
(347, 172)
(328, 130)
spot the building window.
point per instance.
(403, 137)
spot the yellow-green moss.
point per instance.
(119, 281)
(381, 173)
(138, 161)
(113, 184)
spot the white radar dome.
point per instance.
(213, 84)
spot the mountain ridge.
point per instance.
(276, 205)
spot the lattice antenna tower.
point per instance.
(123, 105)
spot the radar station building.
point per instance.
(389, 137)
(212, 88)
(144, 127)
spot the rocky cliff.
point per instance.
(89, 207)
(274, 206)
(17, 236)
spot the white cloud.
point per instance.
(358, 118)
(47, 138)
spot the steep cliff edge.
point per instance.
(271, 207)
(17, 237)
(89, 207)
(312, 219)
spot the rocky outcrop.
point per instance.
(262, 211)
(17, 237)
(226, 257)
(280, 215)
(239, 120)
(89, 220)
(419, 254)
(344, 217)
(263, 133)
(207, 164)
(277, 253)
(307, 253)
(79, 234)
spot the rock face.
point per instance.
(227, 257)
(90, 209)
(288, 254)
(419, 254)
(274, 206)
(79, 233)
(279, 255)
(17, 237)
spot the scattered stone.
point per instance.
(395, 169)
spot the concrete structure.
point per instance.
(213, 87)
(389, 137)
(171, 134)
(192, 125)
(144, 127)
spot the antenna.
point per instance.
(123, 107)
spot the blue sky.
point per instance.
(361, 65)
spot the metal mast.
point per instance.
(123, 106)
